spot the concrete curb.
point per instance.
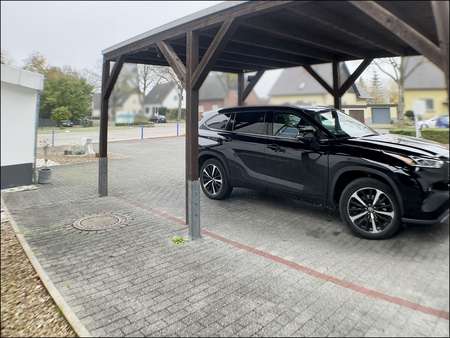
(66, 310)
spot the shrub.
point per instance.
(434, 134)
(60, 114)
(409, 114)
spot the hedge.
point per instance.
(434, 134)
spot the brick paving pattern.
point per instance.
(134, 281)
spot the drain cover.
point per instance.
(99, 222)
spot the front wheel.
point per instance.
(214, 180)
(370, 209)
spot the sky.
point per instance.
(74, 33)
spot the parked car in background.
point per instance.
(66, 123)
(435, 122)
(377, 182)
(442, 121)
(158, 119)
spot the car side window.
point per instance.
(250, 123)
(290, 125)
(219, 121)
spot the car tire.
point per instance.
(370, 208)
(214, 180)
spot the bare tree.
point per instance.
(5, 58)
(169, 75)
(397, 69)
(147, 78)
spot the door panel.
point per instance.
(293, 165)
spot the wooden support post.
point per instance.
(173, 60)
(240, 89)
(192, 174)
(336, 85)
(103, 140)
(441, 18)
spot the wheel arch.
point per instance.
(207, 154)
(346, 175)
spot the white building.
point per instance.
(164, 95)
(19, 114)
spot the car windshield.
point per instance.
(342, 125)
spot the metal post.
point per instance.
(53, 137)
(178, 127)
(103, 140)
(336, 85)
(142, 132)
(192, 174)
(240, 89)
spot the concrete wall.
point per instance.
(19, 94)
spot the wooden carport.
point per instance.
(253, 36)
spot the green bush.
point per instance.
(434, 134)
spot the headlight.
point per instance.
(421, 162)
(426, 162)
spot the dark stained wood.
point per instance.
(217, 45)
(319, 79)
(173, 60)
(441, 18)
(336, 85)
(346, 30)
(279, 30)
(104, 107)
(246, 9)
(252, 81)
(354, 76)
(401, 29)
(191, 107)
(113, 77)
(240, 89)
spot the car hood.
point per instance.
(402, 144)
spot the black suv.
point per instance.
(323, 155)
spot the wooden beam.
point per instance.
(322, 18)
(252, 81)
(352, 78)
(246, 9)
(277, 30)
(217, 45)
(173, 60)
(336, 85)
(401, 29)
(441, 18)
(270, 43)
(319, 79)
(113, 78)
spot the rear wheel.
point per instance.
(214, 180)
(370, 208)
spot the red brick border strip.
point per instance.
(314, 273)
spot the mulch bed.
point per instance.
(27, 310)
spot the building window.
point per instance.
(429, 104)
(147, 110)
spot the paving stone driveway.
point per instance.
(133, 281)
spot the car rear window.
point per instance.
(219, 121)
(250, 123)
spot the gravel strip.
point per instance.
(27, 310)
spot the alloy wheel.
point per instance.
(212, 179)
(370, 209)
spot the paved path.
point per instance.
(266, 265)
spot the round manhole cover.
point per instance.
(99, 222)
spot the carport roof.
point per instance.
(282, 34)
